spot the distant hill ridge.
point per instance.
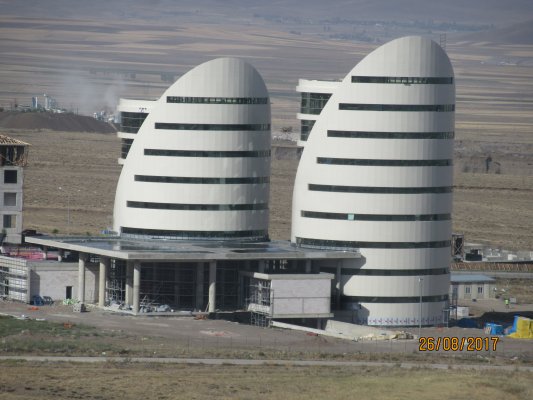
(65, 122)
(520, 33)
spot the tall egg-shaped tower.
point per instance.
(199, 166)
(376, 175)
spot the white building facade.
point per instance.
(376, 175)
(199, 167)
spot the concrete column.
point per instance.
(308, 266)
(338, 285)
(262, 265)
(200, 286)
(81, 277)
(212, 286)
(128, 296)
(136, 286)
(104, 266)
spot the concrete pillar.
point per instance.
(200, 286)
(104, 266)
(212, 286)
(128, 296)
(262, 266)
(81, 277)
(308, 266)
(338, 285)
(60, 255)
(136, 286)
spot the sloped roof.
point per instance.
(9, 140)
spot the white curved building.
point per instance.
(199, 167)
(376, 175)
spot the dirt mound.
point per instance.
(65, 122)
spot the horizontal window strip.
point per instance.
(207, 235)
(197, 180)
(205, 153)
(390, 135)
(397, 107)
(344, 244)
(380, 190)
(217, 100)
(395, 272)
(411, 299)
(406, 80)
(375, 217)
(212, 127)
(384, 163)
(197, 207)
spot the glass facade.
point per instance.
(391, 135)
(202, 153)
(344, 244)
(384, 163)
(375, 217)
(141, 233)
(195, 180)
(398, 107)
(305, 128)
(394, 272)
(384, 190)
(197, 207)
(212, 127)
(217, 100)
(313, 103)
(130, 122)
(125, 147)
(404, 80)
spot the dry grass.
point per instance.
(161, 381)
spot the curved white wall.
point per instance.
(206, 176)
(398, 215)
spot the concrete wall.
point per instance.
(52, 278)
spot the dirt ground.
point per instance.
(136, 381)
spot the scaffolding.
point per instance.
(14, 279)
(259, 302)
(116, 285)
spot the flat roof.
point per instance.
(187, 250)
(469, 278)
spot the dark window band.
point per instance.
(375, 217)
(403, 79)
(391, 135)
(398, 107)
(212, 127)
(130, 122)
(217, 100)
(381, 190)
(394, 272)
(384, 163)
(194, 180)
(413, 299)
(197, 207)
(205, 153)
(207, 235)
(344, 244)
